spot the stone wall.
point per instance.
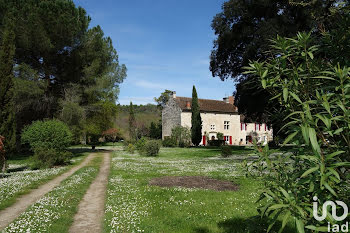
(171, 117)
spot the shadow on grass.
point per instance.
(79, 151)
(254, 224)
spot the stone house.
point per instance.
(217, 116)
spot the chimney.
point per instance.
(173, 94)
(225, 100)
(231, 100)
(188, 105)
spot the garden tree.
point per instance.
(55, 49)
(155, 130)
(315, 95)
(7, 113)
(132, 123)
(244, 29)
(196, 120)
(141, 130)
(163, 98)
(72, 113)
(100, 117)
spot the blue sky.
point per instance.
(165, 44)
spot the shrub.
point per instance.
(220, 136)
(216, 142)
(181, 135)
(169, 142)
(130, 148)
(48, 140)
(152, 148)
(46, 158)
(140, 144)
(226, 151)
(315, 99)
(51, 134)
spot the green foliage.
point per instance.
(163, 98)
(181, 136)
(220, 136)
(99, 119)
(50, 134)
(244, 30)
(72, 113)
(130, 148)
(155, 130)
(132, 123)
(7, 113)
(46, 158)
(196, 120)
(57, 52)
(151, 148)
(140, 144)
(316, 100)
(226, 151)
(169, 142)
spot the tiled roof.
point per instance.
(206, 105)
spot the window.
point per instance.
(227, 139)
(257, 127)
(212, 127)
(243, 127)
(226, 125)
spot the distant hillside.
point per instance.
(144, 114)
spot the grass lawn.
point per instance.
(20, 180)
(134, 206)
(55, 211)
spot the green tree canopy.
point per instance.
(244, 30)
(132, 123)
(7, 113)
(57, 51)
(196, 120)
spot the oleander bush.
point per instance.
(316, 100)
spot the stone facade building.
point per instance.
(217, 117)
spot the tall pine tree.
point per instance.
(132, 123)
(196, 120)
(7, 114)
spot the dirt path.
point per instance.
(9, 214)
(91, 209)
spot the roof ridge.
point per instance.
(200, 99)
